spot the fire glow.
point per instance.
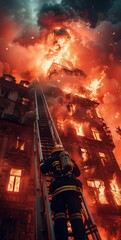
(70, 44)
(99, 190)
(14, 180)
(115, 191)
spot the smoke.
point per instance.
(22, 12)
(114, 12)
(98, 46)
(27, 35)
(61, 39)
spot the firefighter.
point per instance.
(65, 190)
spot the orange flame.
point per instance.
(99, 190)
(115, 191)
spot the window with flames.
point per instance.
(14, 180)
(99, 190)
(96, 134)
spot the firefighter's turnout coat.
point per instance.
(65, 190)
(61, 181)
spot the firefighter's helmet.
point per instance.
(57, 148)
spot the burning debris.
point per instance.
(57, 69)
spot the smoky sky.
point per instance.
(22, 11)
(28, 13)
(89, 10)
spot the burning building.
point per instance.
(17, 183)
(28, 133)
(74, 48)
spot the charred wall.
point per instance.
(17, 187)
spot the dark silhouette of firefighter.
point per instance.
(65, 190)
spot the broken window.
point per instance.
(96, 134)
(71, 108)
(103, 158)
(79, 128)
(20, 144)
(14, 180)
(115, 189)
(84, 154)
(99, 190)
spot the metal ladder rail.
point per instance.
(43, 205)
(54, 132)
(91, 228)
(38, 203)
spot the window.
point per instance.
(14, 180)
(96, 134)
(9, 78)
(79, 128)
(115, 189)
(3, 93)
(20, 144)
(99, 190)
(84, 154)
(103, 158)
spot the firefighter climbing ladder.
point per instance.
(45, 138)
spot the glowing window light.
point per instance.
(79, 128)
(84, 153)
(103, 158)
(72, 109)
(96, 134)
(115, 191)
(14, 180)
(22, 147)
(20, 144)
(99, 189)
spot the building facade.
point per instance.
(17, 188)
(83, 133)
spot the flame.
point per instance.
(61, 124)
(96, 84)
(69, 44)
(115, 191)
(75, 91)
(79, 128)
(99, 189)
(72, 109)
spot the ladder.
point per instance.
(45, 138)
